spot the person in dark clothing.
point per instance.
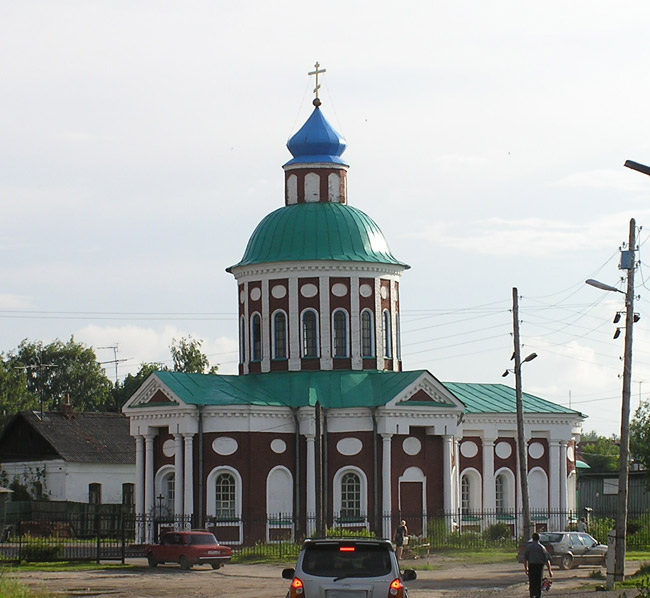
(535, 557)
(400, 533)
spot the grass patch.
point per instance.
(478, 556)
(10, 587)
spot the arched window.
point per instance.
(225, 496)
(388, 337)
(279, 335)
(242, 340)
(350, 495)
(500, 494)
(367, 334)
(256, 338)
(340, 333)
(470, 491)
(309, 334)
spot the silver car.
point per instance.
(570, 549)
(345, 568)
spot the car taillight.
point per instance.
(396, 588)
(297, 588)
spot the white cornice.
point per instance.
(295, 268)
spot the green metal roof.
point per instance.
(317, 231)
(334, 389)
(498, 398)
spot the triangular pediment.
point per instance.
(427, 391)
(152, 393)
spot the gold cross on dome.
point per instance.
(317, 72)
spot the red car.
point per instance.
(187, 549)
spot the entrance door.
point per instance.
(411, 507)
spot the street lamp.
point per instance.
(627, 263)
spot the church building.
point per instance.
(322, 417)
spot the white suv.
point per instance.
(347, 568)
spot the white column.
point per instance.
(139, 487)
(489, 498)
(456, 477)
(446, 473)
(563, 476)
(379, 327)
(179, 481)
(148, 482)
(311, 485)
(247, 330)
(386, 483)
(188, 486)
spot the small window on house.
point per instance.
(128, 493)
(95, 494)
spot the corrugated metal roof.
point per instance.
(317, 231)
(499, 398)
(80, 438)
(334, 389)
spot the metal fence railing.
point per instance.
(98, 536)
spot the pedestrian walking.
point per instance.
(535, 557)
(401, 538)
(582, 525)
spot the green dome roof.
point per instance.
(317, 231)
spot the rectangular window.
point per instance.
(128, 492)
(95, 494)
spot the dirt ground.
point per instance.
(445, 579)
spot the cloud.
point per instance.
(138, 344)
(9, 302)
(532, 237)
(604, 178)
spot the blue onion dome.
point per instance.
(316, 141)
(317, 231)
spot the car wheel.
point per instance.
(184, 563)
(151, 559)
(566, 562)
(216, 565)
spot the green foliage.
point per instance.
(497, 532)
(599, 452)
(132, 382)
(41, 549)
(188, 358)
(10, 587)
(50, 372)
(640, 434)
(599, 528)
(342, 532)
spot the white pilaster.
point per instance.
(387, 503)
(188, 499)
(554, 475)
(266, 328)
(179, 482)
(247, 330)
(355, 325)
(326, 360)
(294, 326)
(563, 476)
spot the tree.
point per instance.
(132, 382)
(599, 452)
(188, 357)
(14, 396)
(53, 371)
(640, 434)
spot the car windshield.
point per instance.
(546, 537)
(201, 539)
(346, 560)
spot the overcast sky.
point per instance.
(142, 142)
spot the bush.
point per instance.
(38, 550)
(496, 532)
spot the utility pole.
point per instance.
(521, 439)
(117, 382)
(627, 263)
